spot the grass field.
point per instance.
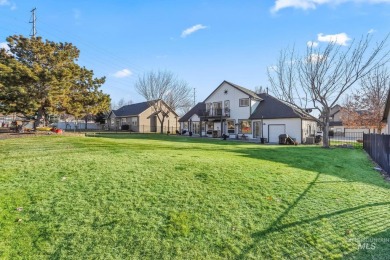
(163, 197)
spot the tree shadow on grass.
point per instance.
(278, 227)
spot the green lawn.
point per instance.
(163, 197)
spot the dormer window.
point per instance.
(244, 102)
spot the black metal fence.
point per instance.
(378, 147)
(348, 140)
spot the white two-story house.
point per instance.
(236, 111)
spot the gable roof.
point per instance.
(250, 93)
(271, 108)
(193, 111)
(131, 110)
(334, 110)
(136, 109)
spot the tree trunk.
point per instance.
(325, 138)
(162, 125)
(40, 119)
(86, 122)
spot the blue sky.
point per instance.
(202, 42)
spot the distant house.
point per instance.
(143, 117)
(339, 128)
(236, 111)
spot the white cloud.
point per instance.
(312, 4)
(5, 2)
(371, 31)
(4, 45)
(312, 44)
(192, 29)
(340, 38)
(123, 73)
(8, 3)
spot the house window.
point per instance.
(245, 126)
(208, 108)
(217, 108)
(185, 126)
(227, 107)
(230, 126)
(244, 102)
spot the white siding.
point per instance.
(274, 130)
(195, 118)
(293, 127)
(233, 95)
(228, 92)
(308, 128)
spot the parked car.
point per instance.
(320, 133)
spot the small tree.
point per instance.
(365, 106)
(325, 75)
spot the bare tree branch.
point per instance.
(164, 85)
(325, 75)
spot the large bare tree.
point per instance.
(320, 77)
(165, 86)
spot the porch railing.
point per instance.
(215, 112)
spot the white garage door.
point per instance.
(275, 131)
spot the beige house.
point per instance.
(145, 117)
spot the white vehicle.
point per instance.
(320, 133)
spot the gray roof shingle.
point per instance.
(195, 110)
(131, 110)
(271, 108)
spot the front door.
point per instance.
(256, 129)
(195, 128)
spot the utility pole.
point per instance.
(33, 20)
